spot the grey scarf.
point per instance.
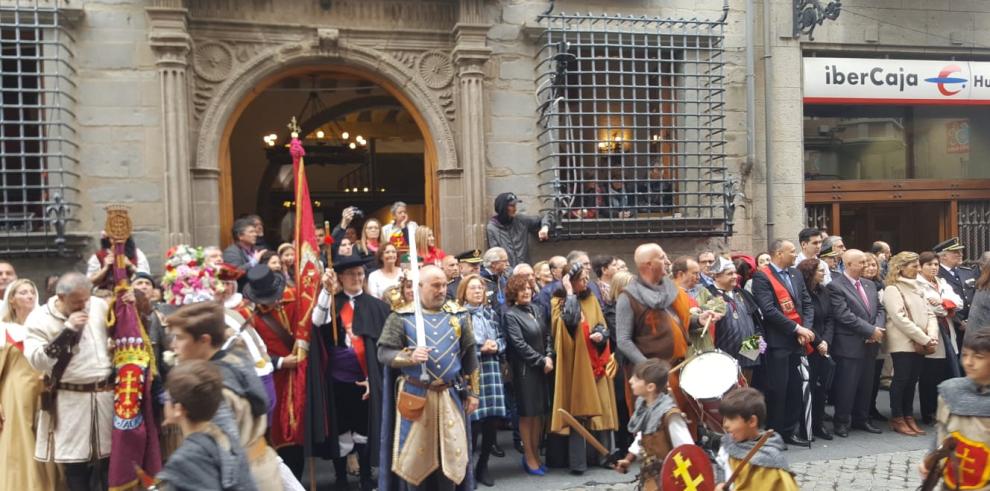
(769, 455)
(965, 398)
(647, 417)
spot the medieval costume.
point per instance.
(273, 320)
(102, 275)
(209, 459)
(246, 403)
(425, 431)
(75, 424)
(242, 335)
(582, 385)
(768, 469)
(740, 321)
(654, 321)
(339, 415)
(659, 428)
(20, 388)
(964, 412)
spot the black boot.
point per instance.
(340, 468)
(364, 460)
(481, 473)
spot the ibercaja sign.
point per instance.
(871, 81)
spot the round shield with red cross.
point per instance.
(687, 468)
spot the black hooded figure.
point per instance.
(510, 230)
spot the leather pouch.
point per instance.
(411, 406)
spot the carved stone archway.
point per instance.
(210, 171)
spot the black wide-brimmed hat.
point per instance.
(343, 263)
(264, 286)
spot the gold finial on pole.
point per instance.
(294, 127)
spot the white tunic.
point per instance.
(84, 418)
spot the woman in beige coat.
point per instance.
(909, 323)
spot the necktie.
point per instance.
(862, 294)
(787, 279)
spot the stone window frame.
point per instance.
(637, 101)
(39, 178)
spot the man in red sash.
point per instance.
(786, 305)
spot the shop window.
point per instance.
(896, 142)
(37, 137)
(632, 130)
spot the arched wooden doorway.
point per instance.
(227, 189)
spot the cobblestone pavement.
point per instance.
(862, 461)
(889, 471)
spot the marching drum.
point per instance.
(705, 380)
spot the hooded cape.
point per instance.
(322, 429)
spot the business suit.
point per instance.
(783, 381)
(854, 323)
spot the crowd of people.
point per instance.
(418, 379)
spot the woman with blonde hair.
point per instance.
(912, 332)
(371, 234)
(426, 247)
(490, 345)
(20, 389)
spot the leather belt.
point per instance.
(101, 386)
(435, 387)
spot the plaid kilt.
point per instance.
(491, 394)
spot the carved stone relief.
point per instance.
(214, 60)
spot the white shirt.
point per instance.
(142, 266)
(378, 282)
(677, 430)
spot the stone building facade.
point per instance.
(160, 85)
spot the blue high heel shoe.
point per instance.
(540, 471)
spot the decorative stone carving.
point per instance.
(406, 57)
(328, 38)
(213, 61)
(436, 69)
(446, 99)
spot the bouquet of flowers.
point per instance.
(186, 280)
(753, 346)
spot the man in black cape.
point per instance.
(345, 411)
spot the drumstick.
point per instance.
(749, 456)
(681, 364)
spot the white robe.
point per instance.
(84, 418)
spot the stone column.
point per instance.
(170, 42)
(470, 56)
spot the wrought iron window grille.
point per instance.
(632, 126)
(38, 177)
(974, 227)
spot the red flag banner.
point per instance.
(134, 437)
(307, 274)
